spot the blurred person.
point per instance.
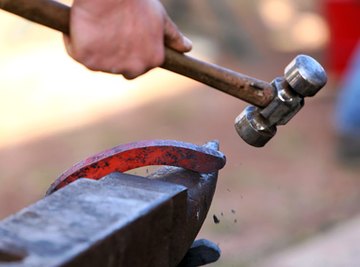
(122, 36)
(348, 112)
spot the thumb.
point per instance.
(174, 39)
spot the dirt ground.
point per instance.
(267, 198)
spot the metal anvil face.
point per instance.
(119, 220)
(99, 223)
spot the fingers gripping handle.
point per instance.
(304, 75)
(57, 16)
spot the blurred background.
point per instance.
(288, 204)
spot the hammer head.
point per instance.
(304, 76)
(253, 128)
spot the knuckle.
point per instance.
(83, 57)
(90, 63)
(133, 69)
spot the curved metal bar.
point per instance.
(144, 153)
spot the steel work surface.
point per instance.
(110, 222)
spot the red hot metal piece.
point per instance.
(139, 154)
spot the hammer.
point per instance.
(273, 103)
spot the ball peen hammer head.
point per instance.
(303, 77)
(253, 128)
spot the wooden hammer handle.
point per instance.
(57, 16)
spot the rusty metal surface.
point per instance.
(129, 156)
(251, 90)
(119, 220)
(241, 86)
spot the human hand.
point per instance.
(125, 37)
